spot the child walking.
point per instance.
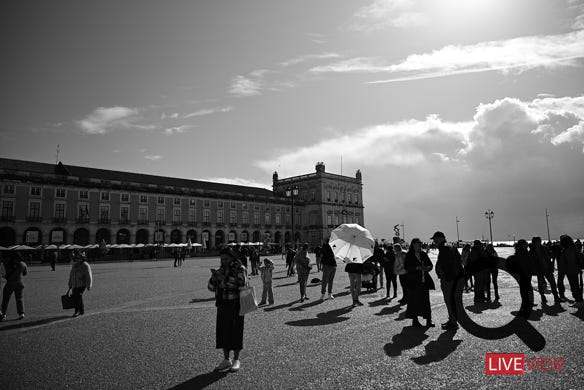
(266, 275)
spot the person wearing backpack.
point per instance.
(15, 269)
(448, 270)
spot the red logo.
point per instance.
(517, 363)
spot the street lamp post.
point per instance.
(547, 224)
(291, 192)
(457, 234)
(489, 214)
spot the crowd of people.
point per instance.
(476, 267)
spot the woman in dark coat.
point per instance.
(418, 265)
(226, 282)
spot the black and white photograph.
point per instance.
(279, 194)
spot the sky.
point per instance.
(448, 107)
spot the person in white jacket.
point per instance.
(80, 278)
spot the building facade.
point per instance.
(57, 204)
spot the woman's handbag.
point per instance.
(67, 301)
(247, 300)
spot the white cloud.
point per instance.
(381, 14)
(173, 115)
(153, 157)
(517, 55)
(238, 181)
(177, 129)
(106, 119)
(242, 86)
(208, 111)
(309, 57)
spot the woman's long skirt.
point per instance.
(229, 330)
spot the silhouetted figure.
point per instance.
(542, 267)
(390, 276)
(448, 270)
(418, 265)
(520, 264)
(493, 260)
(571, 264)
(399, 269)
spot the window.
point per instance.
(328, 195)
(35, 191)
(176, 215)
(267, 219)
(60, 193)
(256, 207)
(7, 208)
(256, 218)
(356, 199)
(104, 213)
(192, 202)
(125, 197)
(278, 209)
(192, 215)
(105, 197)
(34, 209)
(244, 207)
(313, 195)
(143, 214)
(160, 200)
(83, 211)
(287, 219)
(233, 206)
(206, 203)
(160, 214)
(329, 220)
(220, 204)
(336, 196)
(177, 201)
(60, 211)
(287, 209)
(206, 215)
(143, 199)
(8, 188)
(343, 196)
(233, 217)
(125, 213)
(245, 217)
(336, 220)
(83, 194)
(267, 208)
(278, 221)
(349, 198)
(219, 216)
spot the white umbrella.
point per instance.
(52, 247)
(3, 249)
(189, 244)
(139, 245)
(196, 244)
(63, 246)
(75, 246)
(352, 243)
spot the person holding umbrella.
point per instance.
(420, 283)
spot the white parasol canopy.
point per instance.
(352, 243)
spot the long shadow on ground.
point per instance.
(44, 321)
(326, 318)
(200, 381)
(197, 300)
(409, 338)
(439, 349)
(389, 310)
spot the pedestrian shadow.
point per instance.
(478, 308)
(282, 306)
(380, 302)
(197, 300)
(439, 349)
(286, 285)
(389, 310)
(409, 338)
(401, 317)
(579, 314)
(306, 305)
(536, 315)
(552, 310)
(22, 325)
(326, 318)
(200, 381)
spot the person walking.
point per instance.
(571, 264)
(465, 260)
(302, 262)
(318, 255)
(14, 270)
(390, 276)
(400, 270)
(418, 265)
(520, 263)
(448, 270)
(80, 278)
(543, 270)
(379, 258)
(266, 271)
(329, 269)
(226, 283)
(290, 261)
(354, 270)
(493, 260)
(479, 267)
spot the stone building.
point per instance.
(64, 204)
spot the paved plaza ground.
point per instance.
(149, 325)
